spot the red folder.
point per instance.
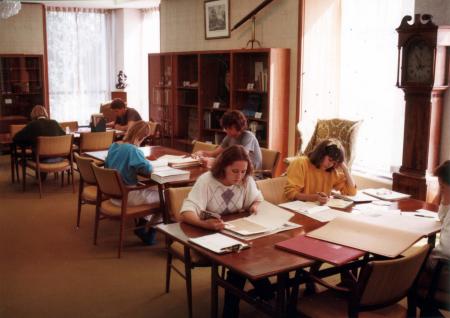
(325, 251)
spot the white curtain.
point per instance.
(366, 64)
(78, 46)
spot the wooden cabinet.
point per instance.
(208, 83)
(22, 87)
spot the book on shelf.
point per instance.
(322, 250)
(386, 194)
(169, 174)
(219, 243)
(359, 197)
(268, 218)
(387, 234)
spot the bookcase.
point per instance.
(22, 86)
(208, 83)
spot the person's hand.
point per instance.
(322, 198)
(342, 166)
(253, 208)
(214, 224)
(199, 154)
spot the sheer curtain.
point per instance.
(366, 52)
(78, 48)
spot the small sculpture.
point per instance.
(121, 80)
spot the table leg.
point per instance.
(162, 204)
(214, 290)
(282, 279)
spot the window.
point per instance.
(349, 71)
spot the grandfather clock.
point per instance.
(423, 75)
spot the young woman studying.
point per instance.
(227, 188)
(312, 177)
(129, 160)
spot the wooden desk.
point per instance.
(262, 259)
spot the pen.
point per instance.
(424, 216)
(233, 248)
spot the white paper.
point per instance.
(217, 242)
(321, 213)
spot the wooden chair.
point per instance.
(191, 259)
(73, 125)
(273, 189)
(16, 152)
(47, 148)
(199, 145)
(87, 192)
(155, 137)
(436, 294)
(93, 141)
(110, 184)
(379, 286)
(270, 160)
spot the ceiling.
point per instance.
(109, 4)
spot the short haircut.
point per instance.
(227, 158)
(38, 111)
(329, 147)
(443, 172)
(117, 103)
(234, 118)
(138, 131)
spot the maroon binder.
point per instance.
(325, 251)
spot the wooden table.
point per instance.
(262, 259)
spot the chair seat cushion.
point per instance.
(90, 193)
(178, 250)
(50, 167)
(330, 304)
(111, 209)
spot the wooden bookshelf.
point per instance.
(208, 83)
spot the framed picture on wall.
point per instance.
(217, 19)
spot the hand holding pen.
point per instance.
(322, 197)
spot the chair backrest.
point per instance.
(105, 109)
(109, 181)
(273, 189)
(269, 159)
(385, 282)
(341, 129)
(73, 125)
(14, 129)
(91, 141)
(85, 169)
(175, 198)
(199, 145)
(54, 146)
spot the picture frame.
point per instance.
(217, 19)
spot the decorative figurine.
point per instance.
(121, 80)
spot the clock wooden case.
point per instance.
(423, 76)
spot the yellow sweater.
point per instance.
(304, 177)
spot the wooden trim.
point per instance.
(45, 61)
(299, 67)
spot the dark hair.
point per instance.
(117, 103)
(443, 172)
(234, 118)
(227, 158)
(329, 147)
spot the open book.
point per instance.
(321, 213)
(164, 174)
(219, 243)
(269, 218)
(386, 194)
(180, 161)
(359, 197)
(387, 235)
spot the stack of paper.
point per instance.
(360, 197)
(386, 194)
(321, 213)
(180, 161)
(219, 243)
(166, 174)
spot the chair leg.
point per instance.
(188, 277)
(168, 270)
(38, 172)
(13, 172)
(80, 198)
(97, 219)
(24, 179)
(73, 183)
(16, 163)
(122, 225)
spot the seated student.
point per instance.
(442, 249)
(227, 188)
(40, 125)
(130, 161)
(234, 123)
(312, 177)
(126, 116)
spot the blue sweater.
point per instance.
(129, 160)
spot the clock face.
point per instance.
(419, 63)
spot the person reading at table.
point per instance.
(129, 160)
(234, 123)
(312, 177)
(227, 188)
(126, 116)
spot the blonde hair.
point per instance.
(137, 132)
(38, 111)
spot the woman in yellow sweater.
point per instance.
(312, 177)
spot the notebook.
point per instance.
(166, 174)
(219, 243)
(359, 197)
(325, 251)
(386, 194)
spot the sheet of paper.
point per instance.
(217, 242)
